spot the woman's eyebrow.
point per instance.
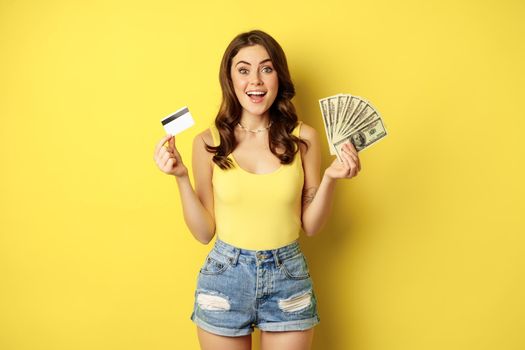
(263, 61)
(242, 62)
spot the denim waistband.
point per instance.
(233, 253)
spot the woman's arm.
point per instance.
(197, 205)
(317, 192)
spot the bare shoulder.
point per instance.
(199, 144)
(311, 160)
(204, 137)
(310, 135)
(202, 159)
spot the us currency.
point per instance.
(330, 110)
(347, 113)
(341, 103)
(363, 137)
(347, 117)
(362, 115)
(323, 103)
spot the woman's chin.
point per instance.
(256, 111)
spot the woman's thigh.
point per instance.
(293, 340)
(210, 341)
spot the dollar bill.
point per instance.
(363, 137)
(325, 111)
(341, 103)
(348, 117)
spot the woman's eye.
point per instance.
(267, 69)
(243, 71)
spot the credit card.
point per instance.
(178, 121)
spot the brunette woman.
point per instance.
(257, 184)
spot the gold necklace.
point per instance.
(256, 130)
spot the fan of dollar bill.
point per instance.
(350, 118)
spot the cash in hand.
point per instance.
(350, 118)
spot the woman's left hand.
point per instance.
(350, 166)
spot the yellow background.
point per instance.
(424, 249)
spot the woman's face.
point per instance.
(254, 79)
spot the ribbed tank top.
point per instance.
(258, 211)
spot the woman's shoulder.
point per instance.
(307, 132)
(205, 136)
(200, 153)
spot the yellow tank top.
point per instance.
(258, 211)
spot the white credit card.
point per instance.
(178, 121)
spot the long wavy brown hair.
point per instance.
(282, 112)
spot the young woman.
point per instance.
(257, 183)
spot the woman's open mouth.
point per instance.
(256, 96)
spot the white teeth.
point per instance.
(259, 93)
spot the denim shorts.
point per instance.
(240, 289)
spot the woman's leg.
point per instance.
(210, 341)
(294, 340)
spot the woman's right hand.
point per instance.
(168, 158)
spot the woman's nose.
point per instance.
(256, 79)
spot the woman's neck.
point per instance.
(254, 122)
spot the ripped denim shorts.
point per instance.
(240, 289)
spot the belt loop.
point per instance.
(233, 260)
(276, 258)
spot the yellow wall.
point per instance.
(424, 249)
